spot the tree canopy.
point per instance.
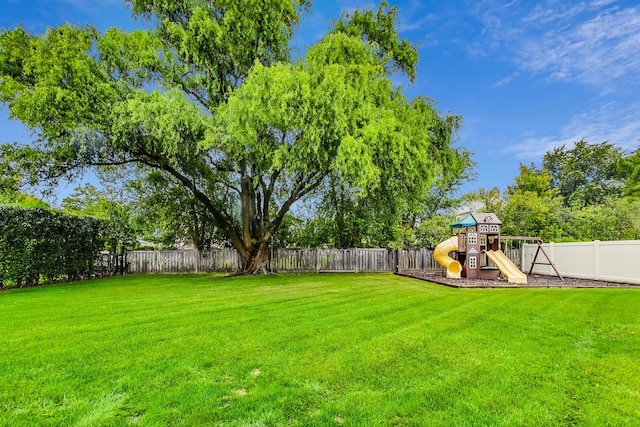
(210, 99)
(586, 173)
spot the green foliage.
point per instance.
(391, 215)
(489, 199)
(532, 180)
(22, 200)
(37, 243)
(166, 215)
(115, 216)
(528, 214)
(629, 168)
(616, 219)
(576, 196)
(11, 185)
(533, 208)
(444, 196)
(432, 231)
(347, 220)
(212, 45)
(585, 174)
(379, 29)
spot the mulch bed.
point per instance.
(533, 281)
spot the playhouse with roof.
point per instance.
(475, 245)
(478, 234)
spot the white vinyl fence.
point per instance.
(612, 261)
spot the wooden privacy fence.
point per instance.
(337, 260)
(289, 259)
(182, 261)
(417, 260)
(297, 259)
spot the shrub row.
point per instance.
(36, 245)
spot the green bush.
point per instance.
(36, 245)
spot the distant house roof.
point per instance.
(477, 218)
(469, 208)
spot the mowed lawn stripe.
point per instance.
(322, 349)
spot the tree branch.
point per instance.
(218, 215)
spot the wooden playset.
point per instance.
(477, 253)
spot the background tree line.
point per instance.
(590, 191)
(580, 193)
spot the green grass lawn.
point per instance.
(314, 350)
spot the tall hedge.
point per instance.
(37, 244)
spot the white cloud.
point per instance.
(599, 3)
(544, 15)
(595, 52)
(591, 43)
(612, 122)
(353, 5)
(87, 4)
(505, 81)
(413, 25)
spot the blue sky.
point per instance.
(525, 76)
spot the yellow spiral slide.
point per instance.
(441, 255)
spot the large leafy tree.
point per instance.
(585, 174)
(629, 168)
(393, 216)
(210, 98)
(533, 207)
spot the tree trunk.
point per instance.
(256, 261)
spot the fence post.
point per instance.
(356, 252)
(155, 261)
(396, 258)
(596, 259)
(315, 250)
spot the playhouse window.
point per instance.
(484, 228)
(473, 263)
(493, 228)
(472, 238)
(483, 240)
